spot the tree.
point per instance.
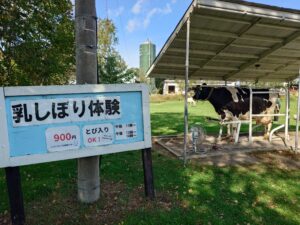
(159, 84)
(111, 67)
(106, 38)
(114, 70)
(36, 42)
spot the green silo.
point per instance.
(147, 56)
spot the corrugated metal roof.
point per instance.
(233, 40)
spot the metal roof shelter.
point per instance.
(232, 40)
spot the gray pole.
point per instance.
(297, 120)
(187, 56)
(287, 114)
(86, 73)
(250, 116)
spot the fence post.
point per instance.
(14, 187)
(148, 173)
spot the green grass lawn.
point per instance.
(167, 118)
(260, 194)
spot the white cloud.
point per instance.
(132, 25)
(150, 14)
(136, 23)
(137, 8)
(116, 12)
(166, 10)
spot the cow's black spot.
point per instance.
(259, 105)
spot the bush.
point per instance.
(163, 98)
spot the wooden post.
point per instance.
(13, 180)
(86, 73)
(148, 173)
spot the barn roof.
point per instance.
(233, 40)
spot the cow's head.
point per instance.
(202, 92)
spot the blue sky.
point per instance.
(139, 20)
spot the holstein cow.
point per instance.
(235, 101)
(234, 111)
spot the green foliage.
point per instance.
(106, 38)
(114, 70)
(111, 67)
(159, 84)
(36, 43)
(157, 98)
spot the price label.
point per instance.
(63, 138)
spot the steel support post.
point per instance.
(250, 116)
(289, 102)
(287, 113)
(186, 126)
(297, 121)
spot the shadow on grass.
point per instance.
(235, 195)
(173, 123)
(38, 181)
(232, 195)
(197, 195)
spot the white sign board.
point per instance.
(43, 124)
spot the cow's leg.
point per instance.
(220, 133)
(229, 130)
(234, 132)
(237, 133)
(268, 128)
(265, 131)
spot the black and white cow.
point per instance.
(232, 103)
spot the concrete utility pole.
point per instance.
(86, 73)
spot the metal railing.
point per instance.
(251, 116)
(286, 114)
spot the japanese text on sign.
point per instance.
(99, 134)
(45, 111)
(126, 131)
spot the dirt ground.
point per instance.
(116, 203)
(281, 159)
